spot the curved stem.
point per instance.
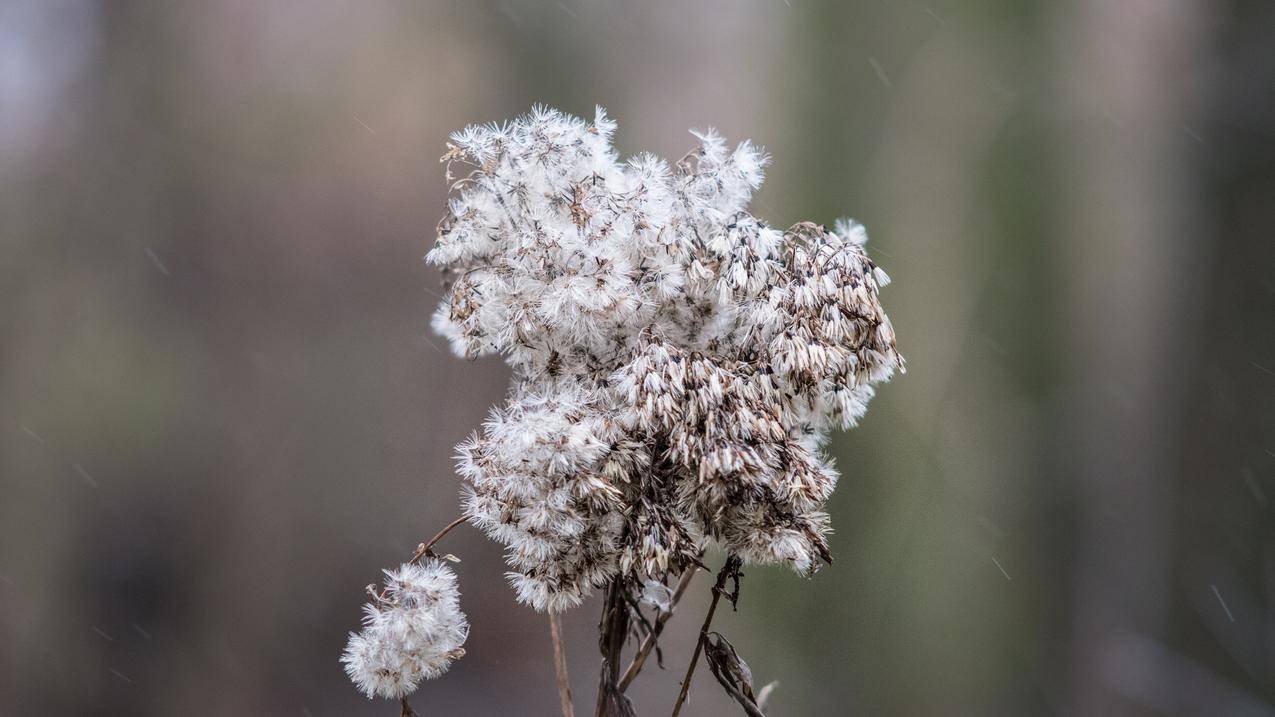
(731, 567)
(426, 548)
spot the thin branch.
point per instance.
(423, 550)
(729, 570)
(560, 665)
(649, 643)
(426, 548)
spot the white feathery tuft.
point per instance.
(412, 631)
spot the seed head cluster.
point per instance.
(412, 630)
(677, 363)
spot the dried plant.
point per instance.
(412, 630)
(677, 365)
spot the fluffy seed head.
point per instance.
(412, 630)
(677, 362)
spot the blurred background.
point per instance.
(222, 410)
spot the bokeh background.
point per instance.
(222, 411)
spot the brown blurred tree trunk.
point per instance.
(1127, 237)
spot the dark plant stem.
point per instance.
(730, 569)
(649, 643)
(612, 631)
(405, 710)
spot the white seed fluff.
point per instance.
(411, 631)
(677, 362)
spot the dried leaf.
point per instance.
(731, 672)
